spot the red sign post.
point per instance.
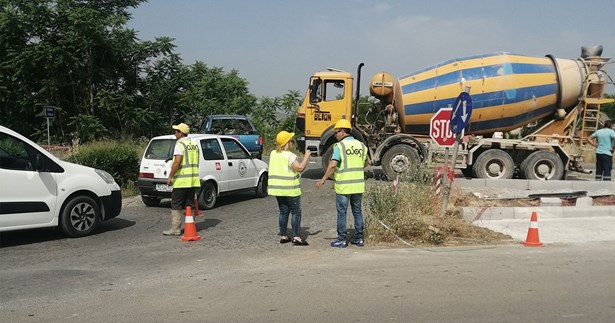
(440, 128)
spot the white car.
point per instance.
(39, 190)
(225, 166)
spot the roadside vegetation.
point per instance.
(410, 215)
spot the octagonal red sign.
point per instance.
(440, 128)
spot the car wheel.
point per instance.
(261, 187)
(208, 196)
(80, 217)
(150, 201)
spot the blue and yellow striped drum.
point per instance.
(508, 91)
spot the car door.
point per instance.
(27, 197)
(242, 172)
(212, 163)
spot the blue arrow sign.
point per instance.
(462, 111)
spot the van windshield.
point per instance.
(161, 149)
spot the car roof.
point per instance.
(227, 116)
(193, 136)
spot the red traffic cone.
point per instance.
(532, 239)
(190, 233)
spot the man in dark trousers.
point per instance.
(347, 164)
(604, 141)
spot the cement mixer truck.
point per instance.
(530, 114)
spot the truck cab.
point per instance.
(328, 99)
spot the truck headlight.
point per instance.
(105, 176)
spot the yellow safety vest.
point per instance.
(283, 180)
(188, 173)
(349, 176)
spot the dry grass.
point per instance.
(411, 215)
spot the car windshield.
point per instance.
(231, 126)
(161, 149)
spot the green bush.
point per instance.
(120, 159)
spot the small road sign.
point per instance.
(462, 111)
(49, 111)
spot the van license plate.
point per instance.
(164, 188)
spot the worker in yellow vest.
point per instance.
(284, 184)
(184, 177)
(346, 165)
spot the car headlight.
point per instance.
(105, 176)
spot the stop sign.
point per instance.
(440, 128)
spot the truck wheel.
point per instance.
(326, 158)
(80, 217)
(494, 164)
(261, 187)
(399, 160)
(150, 201)
(467, 172)
(543, 165)
(208, 196)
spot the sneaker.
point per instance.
(338, 244)
(357, 242)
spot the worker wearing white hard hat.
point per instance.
(346, 165)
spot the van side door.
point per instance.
(213, 163)
(28, 196)
(242, 172)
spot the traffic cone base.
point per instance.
(190, 233)
(533, 240)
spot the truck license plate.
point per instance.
(164, 188)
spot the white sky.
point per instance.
(277, 44)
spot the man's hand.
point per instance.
(320, 183)
(169, 181)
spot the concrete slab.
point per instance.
(557, 230)
(550, 201)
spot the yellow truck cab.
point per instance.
(328, 100)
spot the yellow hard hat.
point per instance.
(343, 123)
(283, 137)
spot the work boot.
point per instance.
(176, 222)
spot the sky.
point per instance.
(277, 44)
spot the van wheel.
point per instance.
(80, 217)
(261, 187)
(208, 196)
(150, 201)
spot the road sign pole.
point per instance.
(448, 185)
(48, 137)
(459, 120)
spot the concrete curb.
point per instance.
(473, 214)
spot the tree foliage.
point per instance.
(79, 56)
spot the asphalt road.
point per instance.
(129, 272)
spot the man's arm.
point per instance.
(330, 169)
(177, 162)
(591, 140)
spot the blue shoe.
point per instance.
(357, 242)
(338, 244)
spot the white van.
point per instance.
(225, 166)
(39, 190)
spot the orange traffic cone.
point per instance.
(532, 239)
(190, 233)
